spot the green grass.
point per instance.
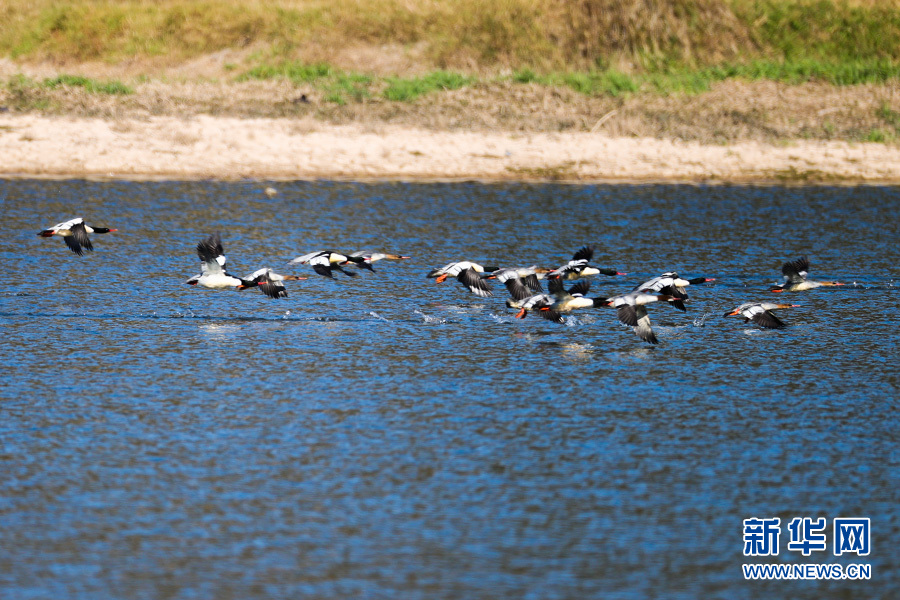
(610, 83)
(880, 136)
(115, 88)
(592, 83)
(341, 87)
(793, 72)
(338, 86)
(829, 31)
(697, 80)
(891, 119)
(26, 94)
(526, 75)
(402, 89)
(352, 86)
(295, 71)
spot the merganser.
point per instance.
(524, 299)
(530, 276)
(551, 306)
(566, 301)
(369, 257)
(631, 311)
(467, 273)
(578, 266)
(671, 284)
(760, 313)
(212, 267)
(795, 280)
(269, 282)
(74, 234)
(324, 262)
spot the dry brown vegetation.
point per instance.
(731, 111)
(470, 35)
(184, 58)
(467, 35)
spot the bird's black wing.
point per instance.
(360, 262)
(582, 286)
(642, 328)
(323, 270)
(78, 240)
(627, 315)
(767, 319)
(795, 270)
(585, 253)
(533, 283)
(551, 315)
(272, 289)
(555, 285)
(210, 248)
(675, 292)
(517, 289)
(472, 280)
(73, 245)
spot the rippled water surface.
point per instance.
(387, 437)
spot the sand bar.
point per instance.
(230, 148)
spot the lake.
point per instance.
(383, 436)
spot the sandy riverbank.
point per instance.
(228, 148)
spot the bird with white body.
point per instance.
(74, 233)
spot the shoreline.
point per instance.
(234, 148)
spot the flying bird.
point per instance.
(269, 282)
(324, 262)
(631, 310)
(579, 267)
(760, 313)
(795, 273)
(468, 273)
(212, 267)
(671, 284)
(364, 259)
(75, 234)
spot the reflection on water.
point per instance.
(219, 331)
(384, 436)
(577, 352)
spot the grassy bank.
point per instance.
(767, 70)
(648, 37)
(341, 86)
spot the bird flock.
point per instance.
(524, 285)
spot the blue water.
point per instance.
(387, 437)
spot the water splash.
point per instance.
(572, 321)
(429, 319)
(701, 320)
(286, 314)
(377, 316)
